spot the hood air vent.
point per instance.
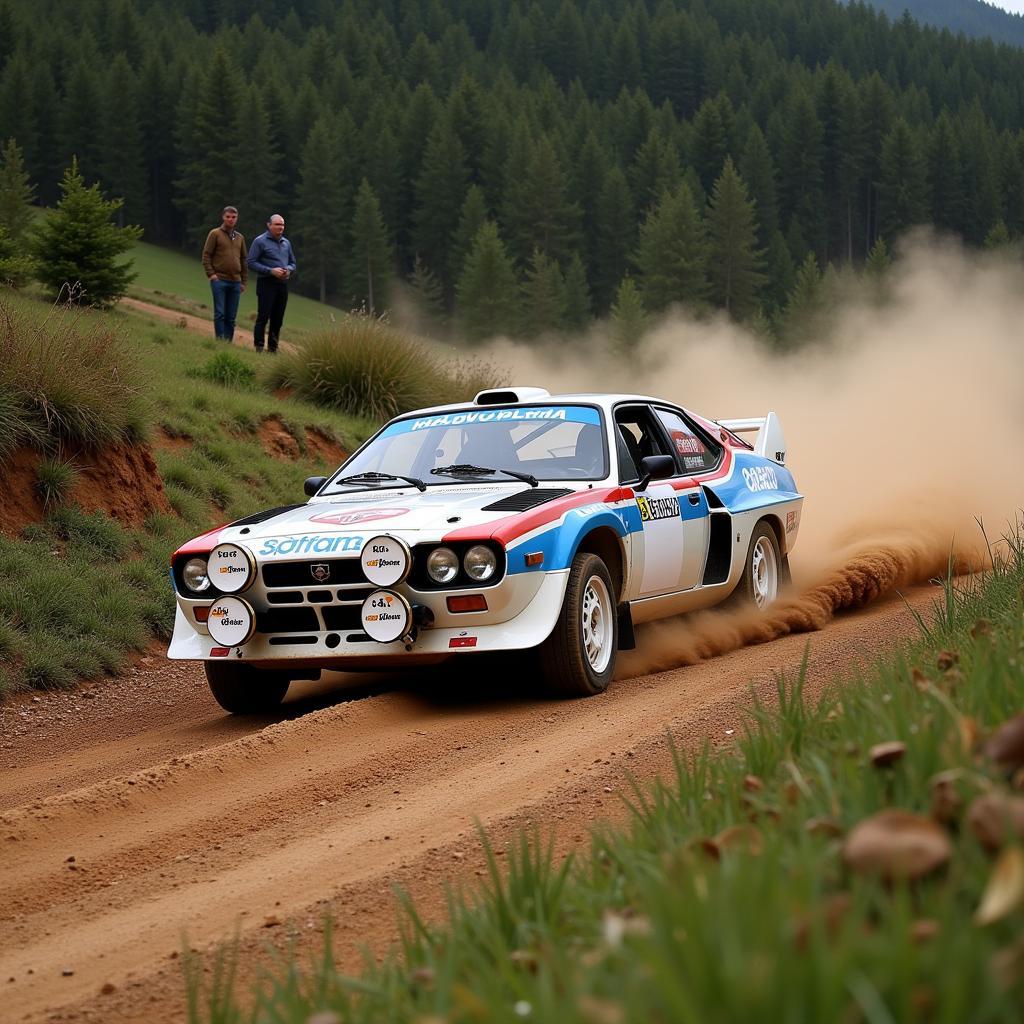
(262, 516)
(521, 501)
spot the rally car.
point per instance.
(521, 522)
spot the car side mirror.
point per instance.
(313, 484)
(655, 467)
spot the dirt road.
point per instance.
(138, 813)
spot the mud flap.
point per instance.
(627, 638)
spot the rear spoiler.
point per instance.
(769, 441)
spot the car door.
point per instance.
(694, 454)
(663, 529)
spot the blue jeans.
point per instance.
(225, 307)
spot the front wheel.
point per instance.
(578, 659)
(763, 570)
(244, 690)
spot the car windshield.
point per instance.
(555, 442)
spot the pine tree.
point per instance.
(16, 192)
(998, 236)
(758, 171)
(322, 203)
(487, 292)
(428, 297)
(440, 192)
(578, 309)
(471, 219)
(543, 296)
(16, 265)
(710, 143)
(655, 169)
(736, 263)
(878, 263)
(370, 255)
(122, 167)
(781, 271)
(77, 246)
(616, 234)
(257, 193)
(903, 183)
(672, 256)
(80, 126)
(629, 319)
(804, 305)
(803, 200)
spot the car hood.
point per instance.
(437, 511)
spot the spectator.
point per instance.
(272, 258)
(225, 266)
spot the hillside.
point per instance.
(972, 17)
(514, 165)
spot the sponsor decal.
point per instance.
(230, 567)
(462, 641)
(310, 544)
(363, 515)
(320, 571)
(574, 414)
(686, 443)
(792, 518)
(658, 508)
(385, 560)
(761, 478)
(693, 462)
(382, 563)
(386, 616)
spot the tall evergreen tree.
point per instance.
(578, 309)
(428, 298)
(370, 255)
(735, 264)
(472, 217)
(903, 181)
(77, 245)
(122, 166)
(440, 192)
(16, 192)
(800, 172)
(672, 256)
(543, 296)
(80, 127)
(805, 303)
(321, 205)
(629, 319)
(710, 143)
(614, 238)
(758, 171)
(257, 193)
(487, 292)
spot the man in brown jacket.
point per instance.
(225, 265)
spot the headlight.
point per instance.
(479, 563)
(442, 565)
(195, 575)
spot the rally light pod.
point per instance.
(231, 568)
(386, 561)
(232, 621)
(386, 616)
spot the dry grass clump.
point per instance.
(366, 367)
(65, 377)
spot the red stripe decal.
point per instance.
(201, 545)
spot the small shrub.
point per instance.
(94, 531)
(366, 367)
(54, 480)
(227, 369)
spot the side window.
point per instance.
(638, 436)
(694, 452)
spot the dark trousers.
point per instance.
(271, 300)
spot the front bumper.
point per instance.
(522, 611)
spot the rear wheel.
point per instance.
(244, 690)
(578, 659)
(763, 570)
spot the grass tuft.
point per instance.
(366, 367)
(54, 479)
(226, 368)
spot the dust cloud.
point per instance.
(904, 426)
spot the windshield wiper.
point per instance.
(371, 478)
(462, 469)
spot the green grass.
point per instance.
(54, 479)
(175, 279)
(66, 376)
(366, 364)
(79, 592)
(669, 920)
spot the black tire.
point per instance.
(567, 668)
(762, 570)
(244, 690)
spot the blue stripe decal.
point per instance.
(755, 483)
(520, 414)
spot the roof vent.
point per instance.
(509, 396)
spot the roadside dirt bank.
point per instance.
(181, 820)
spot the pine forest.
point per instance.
(524, 167)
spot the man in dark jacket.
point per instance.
(271, 256)
(225, 266)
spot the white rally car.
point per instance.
(520, 522)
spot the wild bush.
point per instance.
(366, 367)
(66, 377)
(54, 479)
(227, 368)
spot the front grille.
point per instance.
(287, 620)
(521, 501)
(342, 616)
(285, 597)
(340, 571)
